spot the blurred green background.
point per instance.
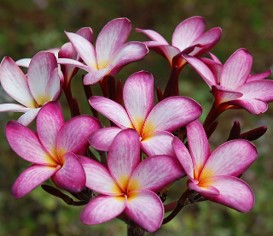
(29, 26)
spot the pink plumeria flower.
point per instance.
(32, 91)
(188, 37)
(128, 185)
(52, 151)
(154, 124)
(215, 174)
(110, 53)
(231, 83)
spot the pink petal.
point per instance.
(102, 209)
(28, 117)
(160, 143)
(71, 175)
(155, 173)
(236, 69)
(112, 110)
(72, 62)
(233, 193)
(32, 177)
(153, 35)
(103, 138)
(146, 209)
(260, 76)
(230, 158)
(49, 122)
(84, 48)
(188, 31)
(53, 88)
(14, 82)
(26, 144)
(253, 106)
(95, 76)
(98, 177)
(86, 32)
(223, 95)
(141, 85)
(73, 136)
(170, 114)
(23, 62)
(111, 37)
(207, 191)
(124, 156)
(12, 107)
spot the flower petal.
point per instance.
(153, 35)
(53, 88)
(71, 175)
(154, 173)
(102, 209)
(95, 76)
(260, 76)
(26, 144)
(112, 110)
(103, 138)
(146, 209)
(98, 177)
(141, 85)
(124, 156)
(253, 106)
(32, 177)
(12, 107)
(28, 117)
(72, 62)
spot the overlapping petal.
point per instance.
(28, 116)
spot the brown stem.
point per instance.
(72, 102)
(172, 87)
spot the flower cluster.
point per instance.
(124, 168)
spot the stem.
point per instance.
(172, 87)
(72, 102)
(133, 230)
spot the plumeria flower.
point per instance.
(52, 151)
(188, 37)
(231, 83)
(215, 174)
(128, 185)
(154, 124)
(32, 91)
(110, 53)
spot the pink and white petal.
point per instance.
(160, 143)
(111, 37)
(103, 138)
(207, 191)
(215, 58)
(71, 175)
(39, 74)
(146, 209)
(102, 209)
(28, 116)
(170, 114)
(87, 33)
(14, 82)
(154, 173)
(188, 31)
(23, 62)
(253, 106)
(72, 62)
(198, 145)
(84, 48)
(223, 95)
(124, 156)
(74, 134)
(53, 88)
(95, 76)
(236, 69)
(12, 107)
(112, 110)
(141, 85)
(26, 144)
(233, 193)
(49, 122)
(202, 69)
(98, 177)
(260, 76)
(153, 35)
(230, 158)
(31, 178)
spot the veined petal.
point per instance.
(49, 122)
(253, 106)
(98, 177)
(74, 134)
(124, 156)
(23, 62)
(95, 76)
(53, 88)
(260, 76)
(39, 74)
(205, 190)
(146, 209)
(233, 193)
(155, 173)
(84, 48)
(111, 37)
(187, 31)
(112, 110)
(71, 175)
(236, 69)
(28, 116)
(14, 82)
(103, 138)
(230, 158)
(141, 86)
(87, 33)
(26, 144)
(160, 143)
(72, 62)
(32, 177)
(223, 95)
(102, 209)
(171, 113)
(153, 35)
(12, 107)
